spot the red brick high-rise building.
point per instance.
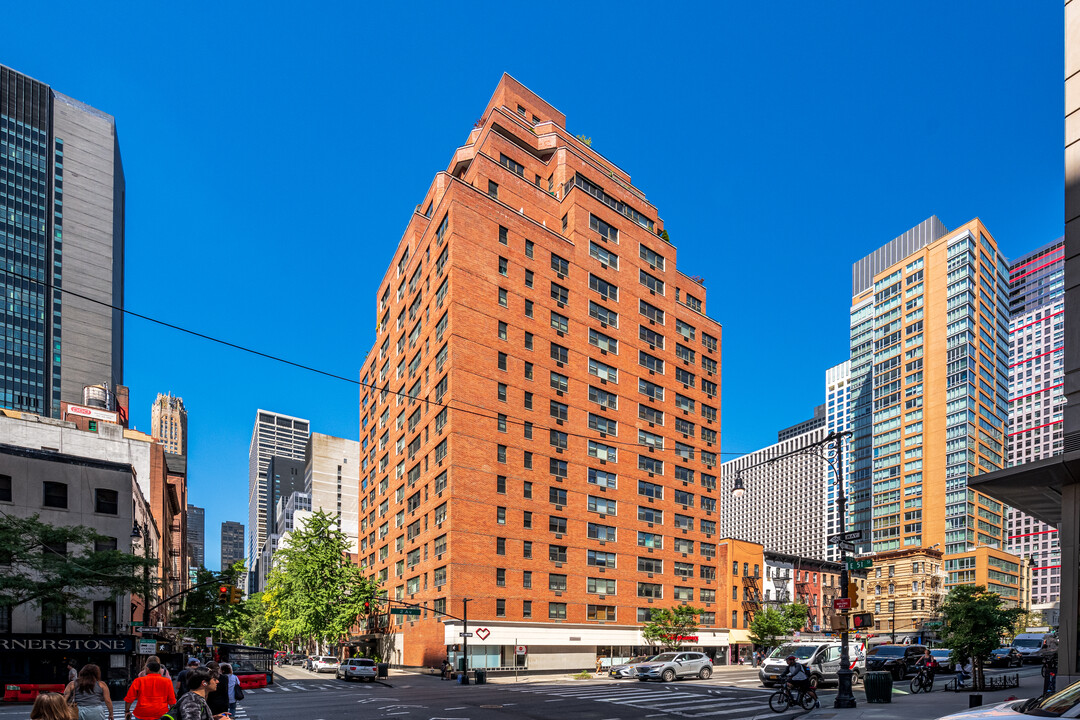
(540, 422)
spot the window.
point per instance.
(650, 311)
(685, 354)
(650, 336)
(504, 234)
(501, 453)
(500, 546)
(526, 519)
(559, 354)
(528, 248)
(650, 540)
(502, 331)
(650, 389)
(604, 533)
(606, 289)
(500, 606)
(559, 382)
(557, 525)
(650, 362)
(709, 342)
(557, 496)
(500, 577)
(651, 440)
(502, 361)
(5, 488)
(557, 553)
(493, 189)
(526, 579)
(500, 515)
(650, 490)
(526, 607)
(556, 611)
(650, 565)
(561, 323)
(502, 392)
(655, 260)
(685, 377)
(684, 403)
(605, 316)
(602, 452)
(512, 165)
(502, 297)
(558, 439)
(650, 514)
(687, 330)
(558, 468)
(54, 494)
(106, 501)
(650, 465)
(602, 371)
(605, 256)
(601, 505)
(602, 613)
(603, 424)
(559, 294)
(528, 308)
(655, 284)
(503, 265)
(560, 265)
(526, 550)
(596, 558)
(528, 278)
(559, 410)
(602, 478)
(603, 397)
(605, 230)
(606, 343)
(104, 618)
(500, 484)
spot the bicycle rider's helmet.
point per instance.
(791, 657)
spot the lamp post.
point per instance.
(831, 450)
(140, 530)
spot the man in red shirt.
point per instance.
(151, 693)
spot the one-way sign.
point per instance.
(849, 536)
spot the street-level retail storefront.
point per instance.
(569, 647)
(27, 660)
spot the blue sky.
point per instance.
(273, 157)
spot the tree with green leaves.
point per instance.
(247, 623)
(201, 607)
(976, 620)
(59, 568)
(769, 626)
(671, 628)
(314, 593)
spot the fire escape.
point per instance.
(751, 601)
(803, 588)
(828, 594)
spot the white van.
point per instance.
(1035, 647)
(822, 661)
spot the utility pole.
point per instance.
(844, 696)
(465, 636)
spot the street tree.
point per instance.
(61, 568)
(975, 622)
(201, 607)
(669, 629)
(314, 593)
(769, 626)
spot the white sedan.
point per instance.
(1065, 704)
(324, 663)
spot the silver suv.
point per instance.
(671, 665)
(357, 669)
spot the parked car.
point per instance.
(939, 662)
(822, 661)
(1035, 647)
(297, 659)
(628, 669)
(900, 660)
(357, 669)
(1005, 657)
(671, 665)
(324, 663)
(1063, 704)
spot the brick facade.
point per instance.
(521, 293)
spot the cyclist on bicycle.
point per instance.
(798, 678)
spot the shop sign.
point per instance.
(88, 643)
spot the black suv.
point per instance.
(897, 659)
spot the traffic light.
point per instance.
(853, 594)
(223, 595)
(862, 621)
(235, 596)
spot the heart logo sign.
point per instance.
(482, 633)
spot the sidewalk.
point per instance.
(933, 705)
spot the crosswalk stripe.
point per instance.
(726, 711)
(644, 698)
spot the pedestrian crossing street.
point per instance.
(729, 703)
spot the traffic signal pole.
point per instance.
(844, 696)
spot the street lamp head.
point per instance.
(738, 488)
(135, 534)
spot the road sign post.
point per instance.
(408, 611)
(841, 603)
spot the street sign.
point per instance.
(859, 564)
(413, 612)
(147, 647)
(845, 545)
(853, 535)
(841, 604)
(137, 623)
(932, 623)
(849, 536)
(520, 650)
(465, 634)
(209, 641)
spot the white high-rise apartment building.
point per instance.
(332, 481)
(274, 434)
(1036, 398)
(783, 507)
(837, 380)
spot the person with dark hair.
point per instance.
(181, 679)
(232, 684)
(51, 706)
(89, 694)
(73, 674)
(151, 693)
(200, 683)
(218, 698)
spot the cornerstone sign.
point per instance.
(86, 643)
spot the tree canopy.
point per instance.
(314, 592)
(61, 569)
(671, 628)
(201, 606)
(770, 625)
(975, 622)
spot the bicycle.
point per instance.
(782, 699)
(923, 681)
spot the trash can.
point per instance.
(480, 676)
(878, 687)
(463, 678)
(383, 670)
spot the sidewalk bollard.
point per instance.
(974, 700)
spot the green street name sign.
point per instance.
(859, 564)
(413, 612)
